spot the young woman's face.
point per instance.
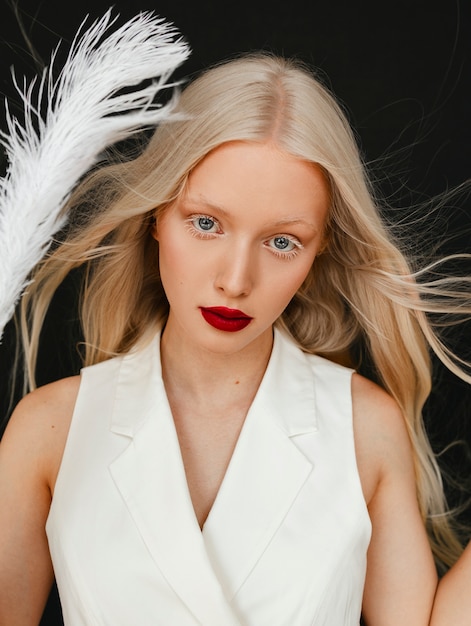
(238, 244)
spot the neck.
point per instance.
(205, 376)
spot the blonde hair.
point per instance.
(361, 290)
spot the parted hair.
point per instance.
(361, 290)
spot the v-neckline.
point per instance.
(264, 475)
(183, 438)
(231, 461)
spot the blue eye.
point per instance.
(205, 224)
(284, 246)
(202, 226)
(283, 243)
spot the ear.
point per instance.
(153, 227)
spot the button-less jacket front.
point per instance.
(285, 541)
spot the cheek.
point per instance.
(171, 249)
(290, 280)
(177, 260)
(169, 259)
(284, 287)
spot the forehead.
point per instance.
(254, 176)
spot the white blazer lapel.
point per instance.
(151, 479)
(266, 471)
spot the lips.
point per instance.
(223, 318)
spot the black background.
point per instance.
(402, 70)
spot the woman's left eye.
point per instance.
(284, 244)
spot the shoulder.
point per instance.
(38, 428)
(370, 401)
(401, 577)
(45, 405)
(381, 439)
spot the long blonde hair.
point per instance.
(361, 289)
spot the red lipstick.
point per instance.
(222, 318)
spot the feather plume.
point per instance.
(86, 110)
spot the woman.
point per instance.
(217, 461)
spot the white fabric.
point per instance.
(285, 542)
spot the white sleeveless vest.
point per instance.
(285, 542)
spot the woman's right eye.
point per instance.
(203, 224)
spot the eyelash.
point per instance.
(201, 234)
(190, 225)
(291, 253)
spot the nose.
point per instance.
(236, 272)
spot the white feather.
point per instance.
(85, 113)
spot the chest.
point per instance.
(283, 549)
(286, 538)
(207, 443)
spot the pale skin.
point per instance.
(254, 194)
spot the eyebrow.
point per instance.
(292, 221)
(296, 220)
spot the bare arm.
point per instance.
(30, 454)
(401, 577)
(401, 585)
(453, 600)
